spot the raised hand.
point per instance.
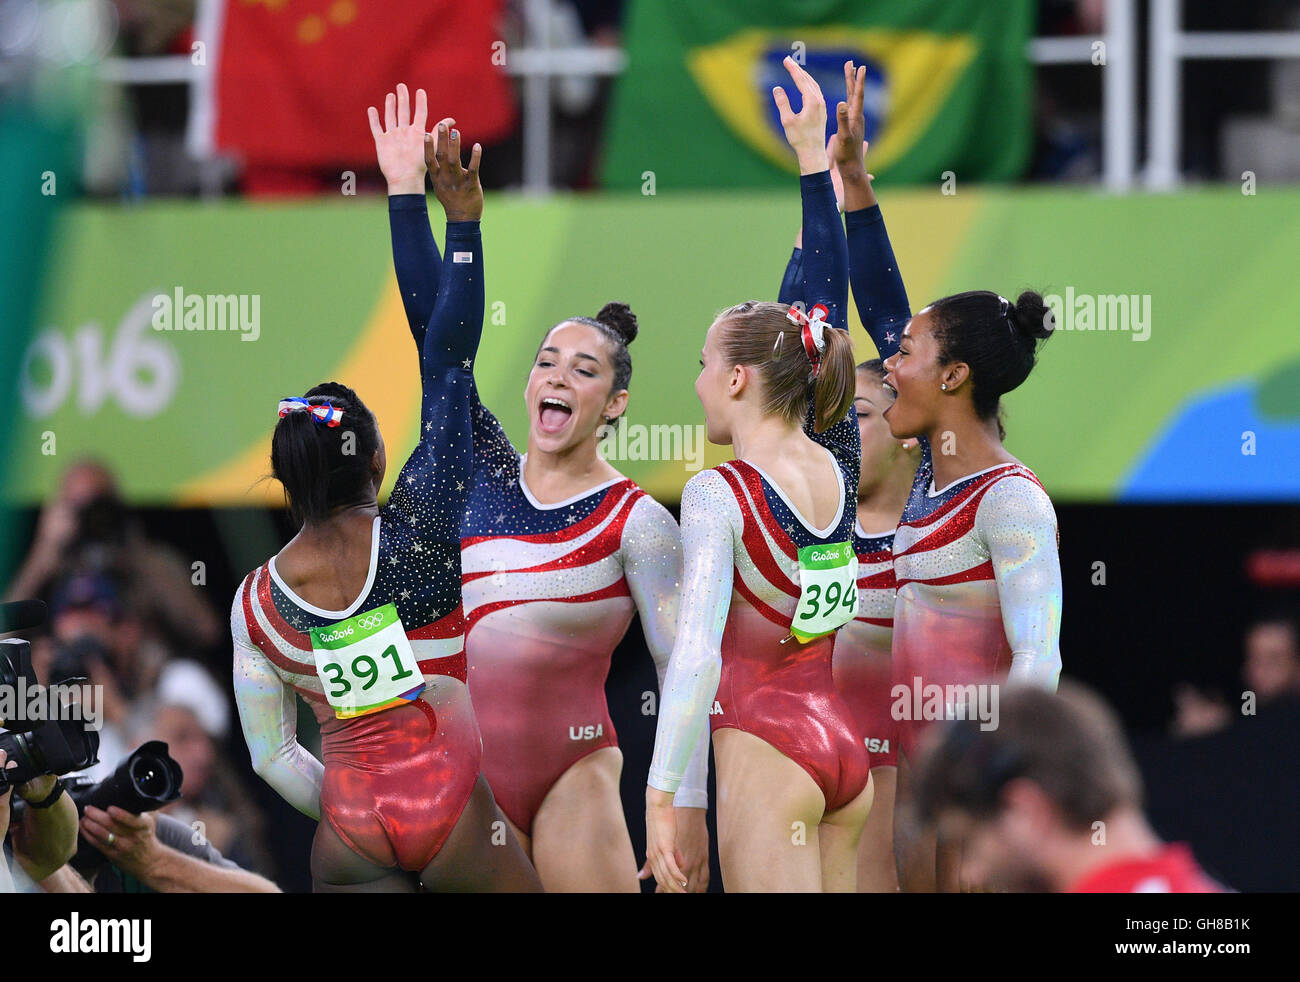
(455, 186)
(848, 148)
(399, 143)
(805, 130)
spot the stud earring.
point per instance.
(944, 386)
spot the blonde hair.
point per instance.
(760, 334)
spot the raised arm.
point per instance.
(269, 717)
(405, 153)
(873, 271)
(825, 257)
(1017, 524)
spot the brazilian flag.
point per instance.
(948, 88)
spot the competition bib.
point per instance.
(366, 663)
(828, 577)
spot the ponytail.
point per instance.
(833, 388)
(760, 334)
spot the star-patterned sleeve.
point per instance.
(710, 517)
(415, 259)
(652, 563)
(792, 282)
(418, 268)
(825, 267)
(1017, 526)
(268, 714)
(433, 487)
(877, 283)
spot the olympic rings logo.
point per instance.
(371, 621)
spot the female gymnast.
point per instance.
(360, 614)
(770, 574)
(976, 566)
(862, 662)
(559, 550)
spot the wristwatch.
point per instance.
(51, 798)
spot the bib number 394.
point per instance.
(366, 663)
(828, 577)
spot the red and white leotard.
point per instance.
(863, 662)
(979, 582)
(549, 591)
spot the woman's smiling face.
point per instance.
(568, 393)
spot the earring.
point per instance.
(944, 386)
(608, 419)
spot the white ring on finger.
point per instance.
(111, 838)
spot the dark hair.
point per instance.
(876, 367)
(323, 467)
(1069, 744)
(997, 339)
(761, 335)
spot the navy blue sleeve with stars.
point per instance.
(418, 268)
(877, 284)
(825, 266)
(419, 564)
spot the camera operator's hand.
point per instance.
(128, 841)
(47, 836)
(131, 843)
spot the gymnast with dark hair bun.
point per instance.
(559, 551)
(360, 614)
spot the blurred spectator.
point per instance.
(1272, 668)
(88, 529)
(1049, 800)
(1198, 710)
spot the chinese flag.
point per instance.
(295, 76)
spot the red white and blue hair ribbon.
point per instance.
(812, 329)
(323, 413)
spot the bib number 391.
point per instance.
(828, 577)
(366, 663)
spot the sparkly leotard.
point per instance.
(863, 665)
(393, 783)
(976, 565)
(549, 590)
(741, 540)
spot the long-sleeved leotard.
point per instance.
(976, 564)
(741, 540)
(549, 589)
(394, 782)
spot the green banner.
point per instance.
(1169, 380)
(948, 88)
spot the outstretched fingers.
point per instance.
(421, 110)
(403, 105)
(804, 82)
(375, 129)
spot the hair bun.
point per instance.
(1031, 317)
(618, 317)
